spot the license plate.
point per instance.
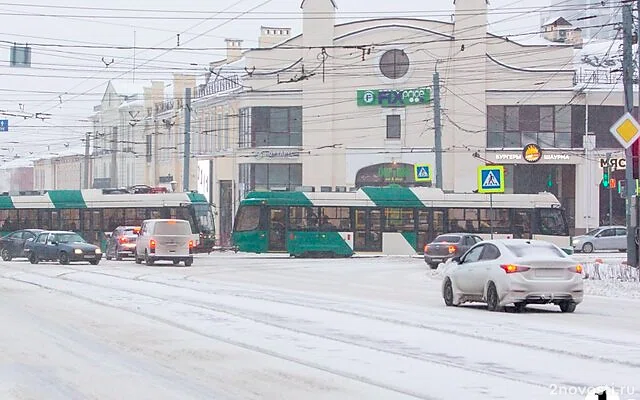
(436, 259)
(88, 256)
(549, 273)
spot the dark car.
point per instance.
(448, 246)
(122, 243)
(12, 245)
(62, 246)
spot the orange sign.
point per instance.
(531, 153)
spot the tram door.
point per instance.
(277, 231)
(368, 229)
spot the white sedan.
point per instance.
(514, 271)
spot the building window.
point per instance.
(148, 148)
(244, 125)
(394, 64)
(270, 176)
(394, 125)
(273, 126)
(547, 126)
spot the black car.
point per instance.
(12, 245)
(122, 242)
(62, 246)
(448, 246)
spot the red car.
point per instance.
(122, 243)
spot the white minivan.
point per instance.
(165, 239)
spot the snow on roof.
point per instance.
(17, 163)
(535, 40)
(136, 103)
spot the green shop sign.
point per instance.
(394, 98)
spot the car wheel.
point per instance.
(6, 254)
(188, 262)
(137, 259)
(493, 302)
(433, 265)
(33, 259)
(587, 248)
(520, 307)
(447, 293)
(176, 262)
(108, 258)
(567, 306)
(147, 260)
(94, 262)
(118, 257)
(63, 258)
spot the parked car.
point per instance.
(122, 242)
(12, 245)
(514, 271)
(62, 246)
(603, 238)
(165, 239)
(447, 246)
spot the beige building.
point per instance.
(60, 172)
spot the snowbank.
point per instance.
(610, 271)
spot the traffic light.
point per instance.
(605, 176)
(622, 188)
(612, 183)
(550, 181)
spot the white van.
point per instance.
(165, 239)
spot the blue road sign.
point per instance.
(4, 125)
(491, 179)
(422, 172)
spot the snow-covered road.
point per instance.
(247, 327)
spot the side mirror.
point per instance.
(55, 243)
(108, 234)
(456, 260)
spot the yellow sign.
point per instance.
(532, 153)
(422, 173)
(626, 130)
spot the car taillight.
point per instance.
(426, 248)
(453, 249)
(510, 268)
(152, 245)
(577, 269)
(123, 239)
(191, 244)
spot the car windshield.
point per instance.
(69, 238)
(173, 228)
(447, 239)
(537, 249)
(129, 232)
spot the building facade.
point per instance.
(64, 172)
(341, 106)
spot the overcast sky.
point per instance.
(69, 74)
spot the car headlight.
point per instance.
(98, 251)
(576, 241)
(77, 251)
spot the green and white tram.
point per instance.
(390, 220)
(94, 213)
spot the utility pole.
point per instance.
(627, 68)
(87, 147)
(187, 139)
(438, 128)
(114, 158)
(610, 189)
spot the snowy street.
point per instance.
(236, 326)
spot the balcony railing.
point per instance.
(517, 140)
(597, 76)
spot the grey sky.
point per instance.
(67, 82)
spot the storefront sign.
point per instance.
(615, 163)
(532, 157)
(391, 98)
(531, 153)
(276, 154)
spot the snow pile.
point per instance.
(618, 272)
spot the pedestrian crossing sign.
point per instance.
(422, 173)
(491, 179)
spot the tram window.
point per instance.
(501, 220)
(398, 220)
(28, 219)
(9, 220)
(456, 218)
(69, 219)
(438, 222)
(471, 222)
(248, 218)
(44, 216)
(113, 217)
(335, 218)
(303, 218)
(522, 224)
(552, 222)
